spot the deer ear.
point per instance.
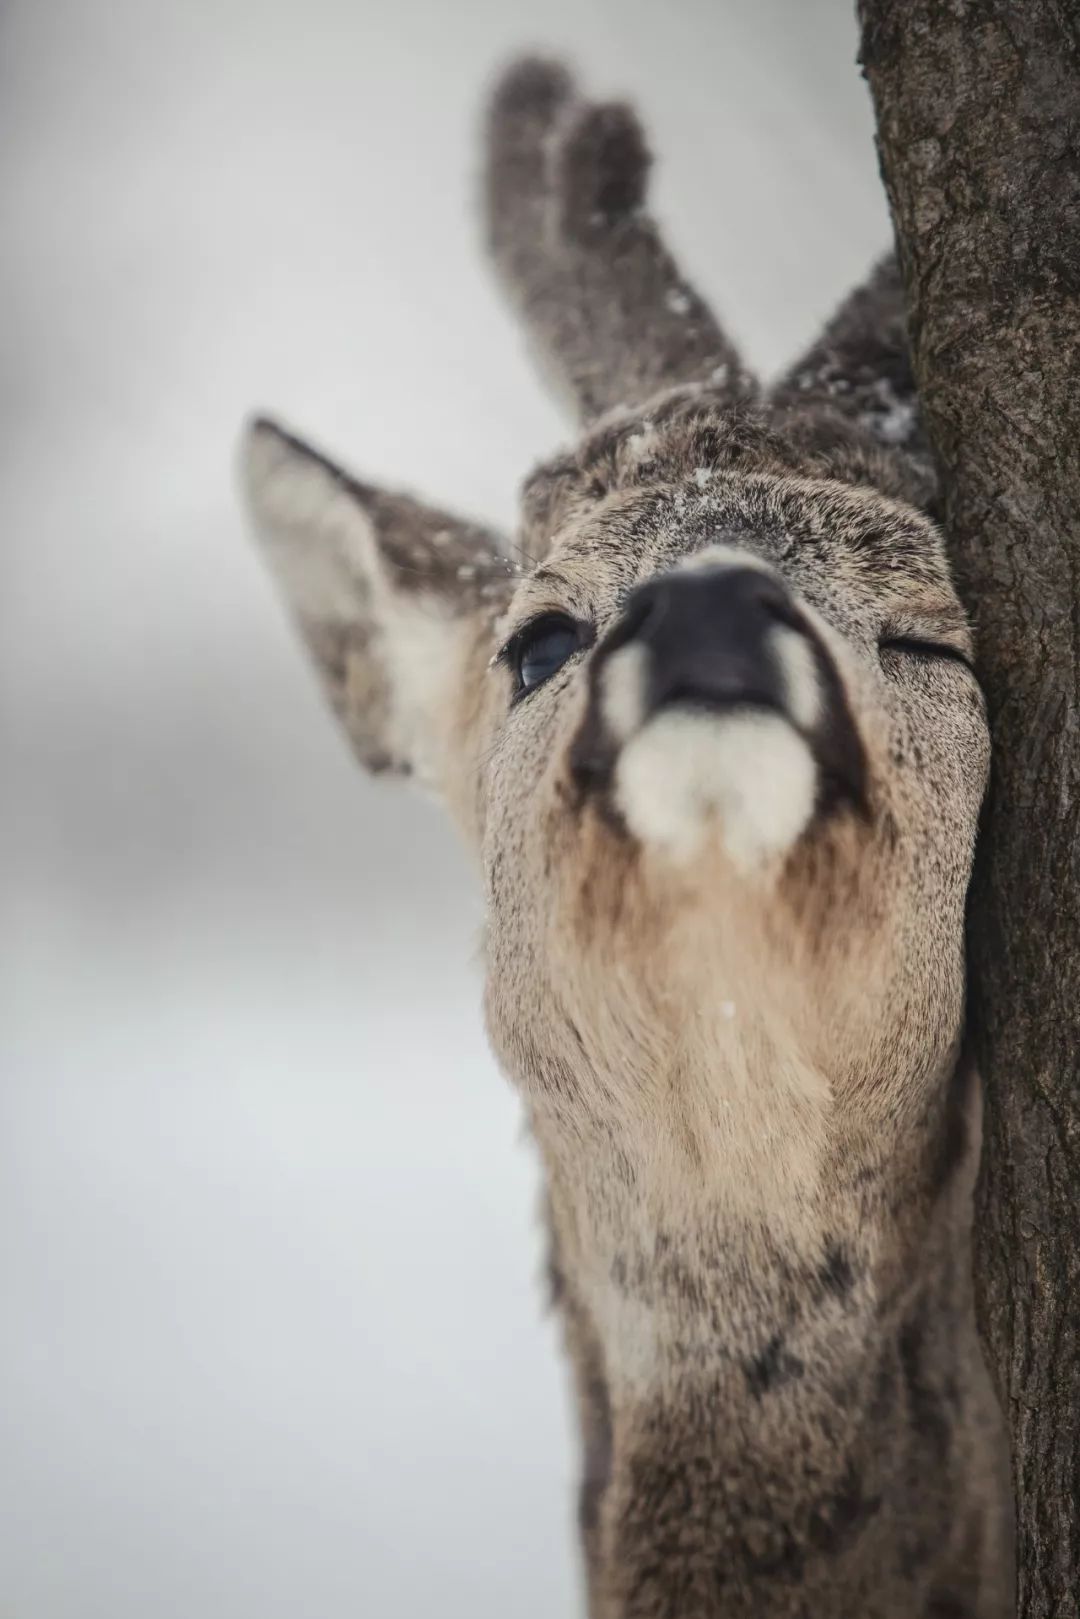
(394, 599)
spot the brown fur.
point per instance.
(746, 1081)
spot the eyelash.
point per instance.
(511, 653)
(913, 646)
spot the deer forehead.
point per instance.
(847, 551)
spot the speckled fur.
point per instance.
(758, 1125)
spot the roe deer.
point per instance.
(721, 753)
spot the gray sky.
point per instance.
(273, 1341)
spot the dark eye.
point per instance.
(541, 648)
(912, 647)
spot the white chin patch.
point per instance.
(747, 775)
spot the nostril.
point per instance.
(765, 591)
(645, 608)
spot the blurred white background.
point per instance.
(271, 1330)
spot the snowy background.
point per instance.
(271, 1336)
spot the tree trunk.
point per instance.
(978, 111)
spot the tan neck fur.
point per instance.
(775, 1388)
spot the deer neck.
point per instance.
(776, 1402)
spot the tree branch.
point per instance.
(978, 111)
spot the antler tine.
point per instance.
(566, 183)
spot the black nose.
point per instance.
(707, 634)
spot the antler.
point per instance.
(860, 368)
(566, 182)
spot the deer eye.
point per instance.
(541, 648)
(910, 646)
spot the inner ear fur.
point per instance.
(389, 594)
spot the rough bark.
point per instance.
(978, 111)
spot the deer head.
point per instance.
(711, 726)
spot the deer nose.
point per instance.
(707, 635)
